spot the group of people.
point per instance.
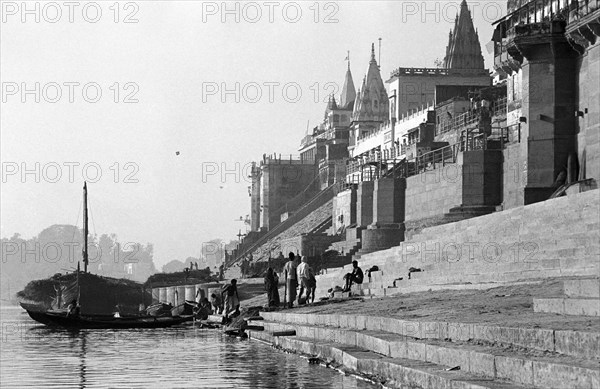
(227, 302)
(301, 276)
(295, 276)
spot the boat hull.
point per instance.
(61, 320)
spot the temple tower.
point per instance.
(372, 99)
(348, 91)
(464, 50)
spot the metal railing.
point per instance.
(459, 121)
(359, 170)
(432, 160)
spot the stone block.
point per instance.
(391, 325)
(516, 370)
(482, 363)
(433, 330)
(399, 349)
(380, 346)
(549, 375)
(347, 321)
(347, 337)
(582, 306)
(418, 378)
(350, 361)
(535, 338)
(373, 323)
(361, 322)
(411, 328)
(577, 343)
(487, 333)
(460, 331)
(416, 351)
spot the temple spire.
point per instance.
(372, 103)
(464, 48)
(373, 60)
(348, 90)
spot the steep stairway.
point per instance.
(316, 216)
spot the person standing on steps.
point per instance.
(231, 298)
(271, 287)
(291, 279)
(304, 279)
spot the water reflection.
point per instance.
(35, 356)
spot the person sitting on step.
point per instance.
(356, 277)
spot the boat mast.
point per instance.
(85, 229)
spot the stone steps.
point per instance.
(555, 238)
(579, 344)
(582, 299)
(482, 362)
(583, 288)
(568, 306)
(395, 372)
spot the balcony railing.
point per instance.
(374, 166)
(540, 11)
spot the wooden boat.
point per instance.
(63, 319)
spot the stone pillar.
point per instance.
(162, 295)
(190, 293)
(549, 104)
(481, 178)
(180, 295)
(171, 295)
(387, 229)
(364, 203)
(155, 295)
(255, 198)
(388, 201)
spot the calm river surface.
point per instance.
(35, 356)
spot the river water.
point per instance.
(186, 357)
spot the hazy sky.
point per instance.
(160, 79)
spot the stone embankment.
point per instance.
(506, 300)
(439, 354)
(554, 238)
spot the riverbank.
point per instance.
(447, 339)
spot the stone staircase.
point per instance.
(582, 297)
(315, 219)
(323, 227)
(437, 354)
(346, 248)
(554, 238)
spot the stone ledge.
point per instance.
(573, 343)
(589, 288)
(568, 306)
(485, 361)
(393, 372)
